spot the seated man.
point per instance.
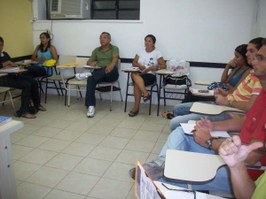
(28, 86)
(203, 142)
(106, 56)
(243, 97)
(234, 154)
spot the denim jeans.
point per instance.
(183, 115)
(180, 141)
(98, 76)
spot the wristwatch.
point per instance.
(209, 143)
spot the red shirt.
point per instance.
(254, 127)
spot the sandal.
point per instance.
(146, 98)
(41, 108)
(28, 116)
(167, 115)
(132, 113)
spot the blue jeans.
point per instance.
(98, 76)
(183, 115)
(180, 141)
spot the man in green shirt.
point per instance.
(106, 56)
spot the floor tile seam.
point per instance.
(36, 147)
(133, 187)
(45, 197)
(69, 155)
(26, 180)
(60, 149)
(46, 151)
(131, 150)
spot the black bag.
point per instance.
(177, 80)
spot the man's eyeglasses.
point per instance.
(260, 58)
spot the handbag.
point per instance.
(177, 80)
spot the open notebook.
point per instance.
(146, 188)
(212, 109)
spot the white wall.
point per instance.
(261, 16)
(202, 30)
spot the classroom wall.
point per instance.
(261, 16)
(16, 26)
(201, 31)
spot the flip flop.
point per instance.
(132, 113)
(167, 115)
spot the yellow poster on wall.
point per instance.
(16, 26)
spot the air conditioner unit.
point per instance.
(72, 9)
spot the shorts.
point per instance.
(149, 79)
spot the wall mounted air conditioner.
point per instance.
(69, 9)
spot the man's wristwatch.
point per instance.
(209, 143)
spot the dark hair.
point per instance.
(257, 42)
(107, 33)
(242, 50)
(1, 39)
(153, 38)
(47, 35)
(263, 42)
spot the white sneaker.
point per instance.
(91, 111)
(82, 76)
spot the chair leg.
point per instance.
(3, 103)
(61, 89)
(164, 99)
(121, 97)
(46, 88)
(158, 101)
(69, 93)
(111, 96)
(57, 89)
(66, 93)
(12, 102)
(125, 109)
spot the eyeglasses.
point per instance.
(184, 190)
(260, 58)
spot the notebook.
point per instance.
(188, 128)
(212, 109)
(146, 188)
(4, 119)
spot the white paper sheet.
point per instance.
(188, 128)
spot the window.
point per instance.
(115, 9)
(93, 9)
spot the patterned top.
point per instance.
(248, 87)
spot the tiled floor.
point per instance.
(65, 155)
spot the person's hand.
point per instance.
(233, 152)
(205, 123)
(41, 58)
(9, 64)
(220, 91)
(145, 71)
(221, 100)
(201, 135)
(232, 63)
(94, 63)
(108, 68)
(153, 68)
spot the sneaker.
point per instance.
(82, 76)
(91, 111)
(154, 169)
